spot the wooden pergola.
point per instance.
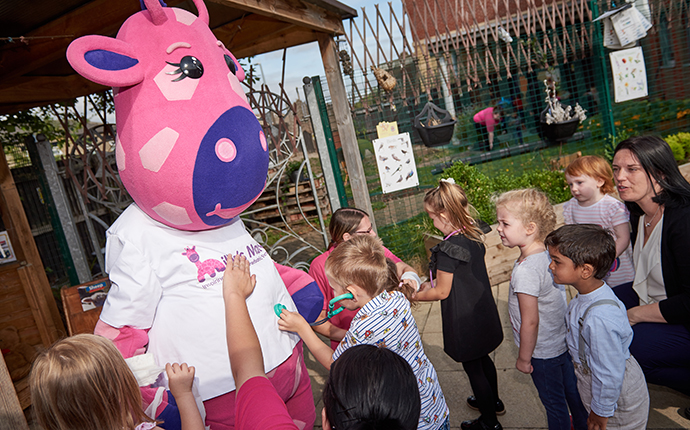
(34, 72)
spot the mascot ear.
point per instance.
(106, 61)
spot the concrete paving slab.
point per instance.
(523, 407)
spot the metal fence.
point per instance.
(456, 55)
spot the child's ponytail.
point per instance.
(450, 199)
(394, 283)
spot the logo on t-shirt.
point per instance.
(210, 267)
(207, 267)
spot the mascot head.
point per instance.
(189, 149)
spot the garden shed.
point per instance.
(34, 72)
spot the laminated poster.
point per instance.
(6, 251)
(629, 74)
(395, 160)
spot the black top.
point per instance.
(675, 263)
(471, 325)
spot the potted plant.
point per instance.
(557, 122)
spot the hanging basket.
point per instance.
(558, 131)
(435, 125)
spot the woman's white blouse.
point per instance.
(649, 279)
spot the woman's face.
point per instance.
(632, 182)
(364, 227)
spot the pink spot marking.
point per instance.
(173, 214)
(154, 153)
(119, 154)
(183, 16)
(262, 139)
(226, 150)
(173, 91)
(236, 86)
(176, 45)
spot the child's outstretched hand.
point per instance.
(292, 321)
(180, 378)
(237, 279)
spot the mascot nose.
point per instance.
(231, 166)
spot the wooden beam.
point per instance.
(285, 39)
(346, 128)
(97, 17)
(14, 218)
(298, 12)
(36, 89)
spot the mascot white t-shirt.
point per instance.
(173, 285)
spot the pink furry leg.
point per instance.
(293, 385)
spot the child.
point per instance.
(345, 224)
(537, 307)
(82, 382)
(591, 181)
(367, 384)
(384, 319)
(609, 379)
(471, 326)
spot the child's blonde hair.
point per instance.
(596, 168)
(450, 199)
(362, 261)
(82, 382)
(530, 205)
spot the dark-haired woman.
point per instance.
(346, 223)
(658, 197)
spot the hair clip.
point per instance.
(401, 284)
(448, 180)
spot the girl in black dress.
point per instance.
(471, 326)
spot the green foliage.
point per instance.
(611, 142)
(406, 239)
(481, 189)
(15, 127)
(680, 145)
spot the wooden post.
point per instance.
(10, 410)
(24, 246)
(346, 128)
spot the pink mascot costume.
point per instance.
(193, 156)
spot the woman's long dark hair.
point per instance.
(371, 388)
(656, 158)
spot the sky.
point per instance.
(305, 60)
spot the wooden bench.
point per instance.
(560, 163)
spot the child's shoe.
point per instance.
(500, 407)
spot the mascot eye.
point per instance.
(231, 64)
(188, 67)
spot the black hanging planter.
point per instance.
(435, 125)
(558, 131)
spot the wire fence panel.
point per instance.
(467, 55)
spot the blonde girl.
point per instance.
(83, 383)
(383, 318)
(471, 326)
(537, 307)
(590, 179)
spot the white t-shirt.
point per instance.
(607, 213)
(532, 276)
(157, 285)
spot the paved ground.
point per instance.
(524, 410)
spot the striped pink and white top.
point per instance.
(608, 213)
